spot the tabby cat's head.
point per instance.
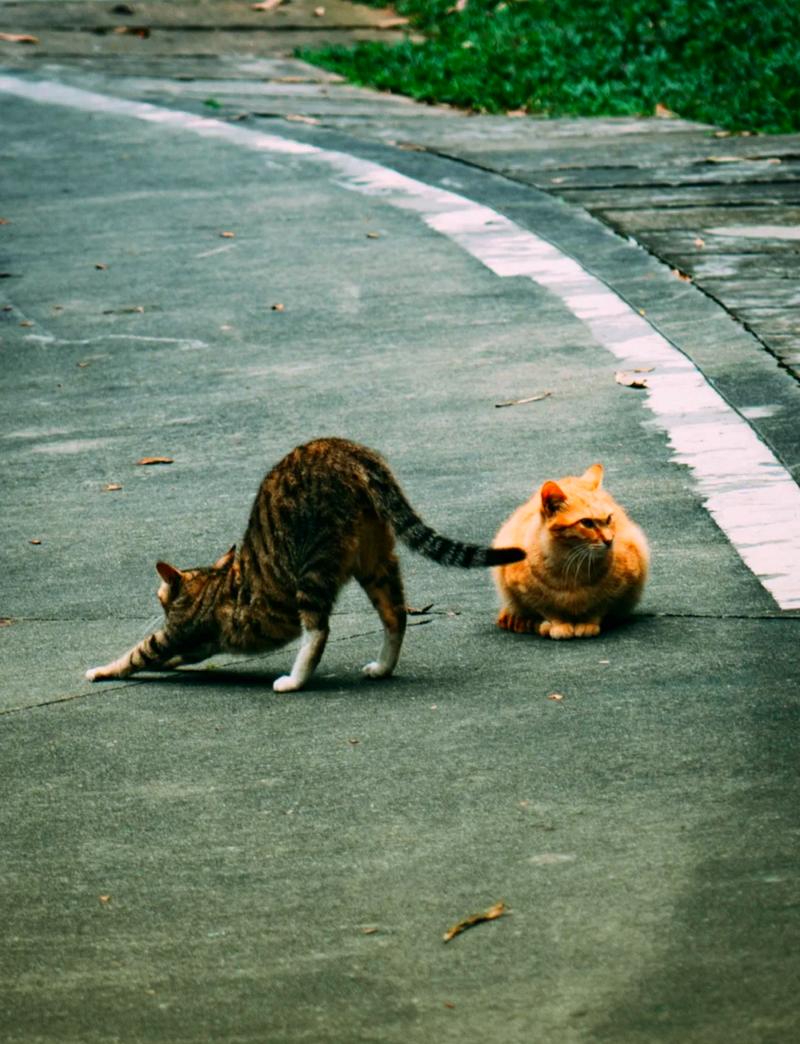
(577, 511)
(190, 599)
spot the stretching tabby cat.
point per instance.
(328, 511)
(586, 560)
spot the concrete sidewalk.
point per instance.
(194, 857)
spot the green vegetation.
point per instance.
(735, 63)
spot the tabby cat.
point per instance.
(328, 511)
(586, 560)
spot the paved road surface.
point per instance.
(195, 857)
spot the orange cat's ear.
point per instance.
(553, 496)
(593, 476)
(227, 558)
(169, 574)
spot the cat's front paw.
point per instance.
(375, 669)
(286, 683)
(587, 630)
(99, 674)
(556, 629)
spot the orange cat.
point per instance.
(586, 560)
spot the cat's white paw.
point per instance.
(286, 683)
(375, 669)
(99, 674)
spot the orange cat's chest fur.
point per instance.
(586, 561)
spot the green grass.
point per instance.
(735, 63)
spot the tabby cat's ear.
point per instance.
(169, 574)
(553, 496)
(593, 476)
(226, 559)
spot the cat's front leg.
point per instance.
(150, 653)
(308, 656)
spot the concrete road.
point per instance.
(193, 857)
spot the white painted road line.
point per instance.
(751, 496)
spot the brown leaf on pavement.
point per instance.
(266, 5)
(111, 487)
(23, 38)
(633, 378)
(155, 460)
(520, 402)
(498, 910)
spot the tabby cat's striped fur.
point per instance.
(328, 511)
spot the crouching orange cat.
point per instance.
(586, 561)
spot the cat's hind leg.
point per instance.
(517, 622)
(384, 588)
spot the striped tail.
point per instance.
(420, 537)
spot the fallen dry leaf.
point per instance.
(111, 487)
(724, 159)
(104, 899)
(663, 113)
(373, 235)
(228, 235)
(391, 23)
(699, 242)
(100, 266)
(24, 38)
(370, 929)
(520, 402)
(142, 31)
(632, 378)
(131, 310)
(155, 460)
(294, 117)
(26, 322)
(557, 696)
(266, 5)
(419, 612)
(516, 114)
(681, 275)
(319, 12)
(278, 307)
(498, 910)
(35, 541)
